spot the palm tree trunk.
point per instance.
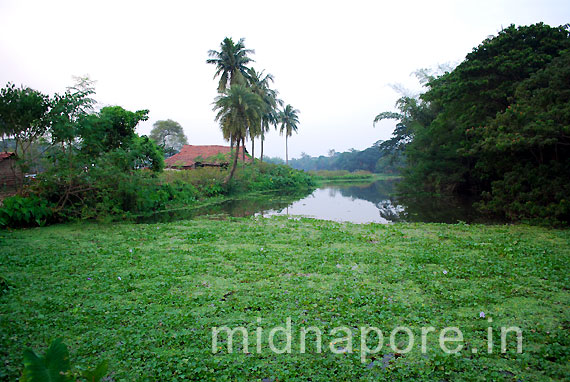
(230, 176)
(262, 137)
(243, 152)
(286, 151)
(252, 150)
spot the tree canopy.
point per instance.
(288, 119)
(169, 135)
(231, 62)
(238, 110)
(486, 126)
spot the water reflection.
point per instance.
(376, 202)
(379, 202)
(332, 203)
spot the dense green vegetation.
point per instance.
(94, 165)
(146, 193)
(497, 126)
(145, 297)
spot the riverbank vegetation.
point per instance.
(495, 127)
(144, 297)
(144, 193)
(90, 163)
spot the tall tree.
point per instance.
(231, 63)
(495, 125)
(288, 118)
(168, 134)
(259, 84)
(238, 109)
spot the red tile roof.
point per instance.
(6, 155)
(187, 156)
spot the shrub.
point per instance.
(20, 211)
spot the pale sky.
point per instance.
(332, 60)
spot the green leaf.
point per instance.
(53, 367)
(97, 374)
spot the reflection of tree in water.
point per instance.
(232, 207)
(381, 193)
(373, 192)
(414, 208)
(440, 209)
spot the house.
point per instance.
(193, 156)
(10, 173)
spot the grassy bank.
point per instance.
(337, 176)
(146, 296)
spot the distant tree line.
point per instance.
(372, 159)
(497, 126)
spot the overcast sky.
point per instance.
(334, 61)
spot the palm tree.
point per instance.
(289, 120)
(238, 109)
(259, 84)
(231, 62)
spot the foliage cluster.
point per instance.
(20, 211)
(496, 126)
(145, 297)
(210, 181)
(92, 160)
(265, 177)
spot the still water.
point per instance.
(336, 203)
(376, 202)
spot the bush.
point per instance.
(20, 211)
(266, 177)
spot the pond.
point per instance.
(372, 202)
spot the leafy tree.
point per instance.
(24, 120)
(463, 134)
(231, 66)
(372, 159)
(231, 63)
(103, 147)
(471, 96)
(84, 87)
(525, 150)
(113, 127)
(238, 109)
(169, 135)
(288, 118)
